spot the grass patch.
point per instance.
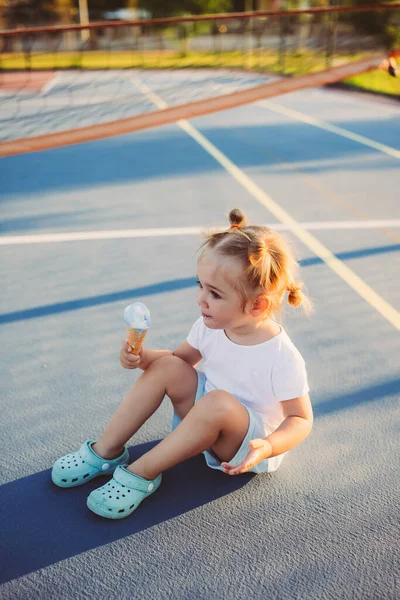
(292, 63)
(376, 81)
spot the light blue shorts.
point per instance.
(256, 430)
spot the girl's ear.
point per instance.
(260, 305)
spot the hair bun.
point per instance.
(237, 218)
(295, 294)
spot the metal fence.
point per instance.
(105, 77)
(290, 41)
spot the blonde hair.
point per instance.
(268, 262)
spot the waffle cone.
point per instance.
(136, 339)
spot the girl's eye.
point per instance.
(215, 295)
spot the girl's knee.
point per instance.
(169, 364)
(217, 402)
(179, 377)
(171, 371)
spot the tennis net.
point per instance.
(65, 85)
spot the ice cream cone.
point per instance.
(136, 339)
(137, 319)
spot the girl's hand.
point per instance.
(259, 450)
(127, 359)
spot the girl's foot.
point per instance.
(105, 452)
(122, 495)
(85, 464)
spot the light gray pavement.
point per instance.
(324, 526)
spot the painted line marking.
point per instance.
(355, 137)
(50, 84)
(355, 282)
(73, 100)
(146, 91)
(113, 234)
(80, 236)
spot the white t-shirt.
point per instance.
(260, 376)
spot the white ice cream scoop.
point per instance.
(137, 316)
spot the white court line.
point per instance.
(146, 91)
(67, 100)
(50, 84)
(355, 282)
(80, 236)
(355, 137)
(114, 234)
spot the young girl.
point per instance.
(248, 408)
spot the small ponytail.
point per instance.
(297, 297)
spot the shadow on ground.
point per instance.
(159, 288)
(45, 524)
(42, 524)
(109, 161)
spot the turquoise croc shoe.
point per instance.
(122, 495)
(82, 466)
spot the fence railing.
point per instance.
(76, 83)
(287, 42)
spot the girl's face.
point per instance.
(220, 304)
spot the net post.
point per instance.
(135, 34)
(84, 20)
(81, 45)
(26, 47)
(330, 47)
(140, 46)
(282, 44)
(242, 33)
(109, 38)
(216, 37)
(258, 33)
(132, 42)
(182, 35)
(250, 48)
(160, 42)
(2, 49)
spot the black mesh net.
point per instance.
(61, 79)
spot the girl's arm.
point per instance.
(294, 429)
(297, 424)
(131, 361)
(147, 356)
(185, 351)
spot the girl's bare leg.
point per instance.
(217, 421)
(168, 375)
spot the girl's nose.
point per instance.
(200, 299)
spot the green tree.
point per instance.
(97, 8)
(383, 25)
(29, 13)
(170, 8)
